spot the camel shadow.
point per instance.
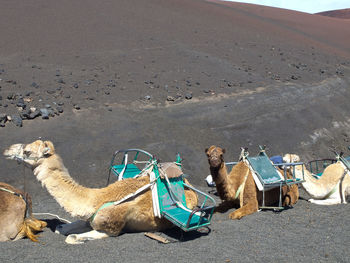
(53, 223)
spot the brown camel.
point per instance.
(14, 223)
(238, 189)
(134, 214)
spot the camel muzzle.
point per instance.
(15, 152)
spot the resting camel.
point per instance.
(132, 215)
(331, 188)
(238, 188)
(14, 222)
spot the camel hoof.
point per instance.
(234, 216)
(73, 239)
(59, 229)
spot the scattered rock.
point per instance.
(170, 98)
(61, 81)
(34, 114)
(17, 120)
(76, 106)
(44, 112)
(188, 96)
(147, 97)
(34, 85)
(3, 117)
(76, 85)
(21, 104)
(59, 109)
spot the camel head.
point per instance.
(291, 158)
(30, 154)
(215, 156)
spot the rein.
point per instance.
(19, 195)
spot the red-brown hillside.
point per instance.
(342, 13)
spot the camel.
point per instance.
(238, 188)
(14, 222)
(331, 188)
(133, 215)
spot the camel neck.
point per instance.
(73, 197)
(220, 177)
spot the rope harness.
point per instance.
(19, 195)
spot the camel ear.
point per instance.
(223, 150)
(49, 148)
(206, 150)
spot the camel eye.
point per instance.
(26, 153)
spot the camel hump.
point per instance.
(170, 169)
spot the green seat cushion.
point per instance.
(264, 168)
(131, 170)
(180, 217)
(171, 211)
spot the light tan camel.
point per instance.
(14, 223)
(331, 188)
(248, 198)
(133, 215)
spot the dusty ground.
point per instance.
(177, 76)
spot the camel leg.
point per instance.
(247, 209)
(325, 202)
(81, 238)
(76, 227)
(291, 196)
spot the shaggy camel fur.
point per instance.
(14, 223)
(133, 215)
(331, 188)
(249, 198)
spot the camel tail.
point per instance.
(30, 226)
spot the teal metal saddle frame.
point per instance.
(171, 195)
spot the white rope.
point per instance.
(61, 219)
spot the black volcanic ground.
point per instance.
(168, 77)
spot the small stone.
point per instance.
(3, 117)
(17, 120)
(34, 85)
(44, 113)
(61, 81)
(25, 114)
(34, 114)
(76, 106)
(76, 85)
(188, 96)
(47, 106)
(60, 103)
(59, 109)
(147, 97)
(11, 96)
(21, 104)
(170, 98)
(50, 91)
